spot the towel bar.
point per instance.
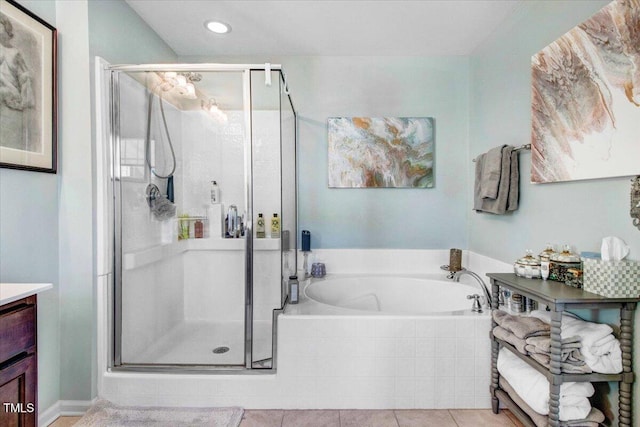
(522, 147)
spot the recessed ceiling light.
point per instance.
(217, 27)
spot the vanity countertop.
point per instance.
(10, 292)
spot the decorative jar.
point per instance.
(562, 262)
(528, 266)
(547, 253)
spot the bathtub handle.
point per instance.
(477, 308)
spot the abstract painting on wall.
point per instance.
(586, 99)
(392, 152)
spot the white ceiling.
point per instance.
(323, 27)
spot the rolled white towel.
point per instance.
(533, 388)
(601, 350)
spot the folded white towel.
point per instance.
(601, 350)
(533, 388)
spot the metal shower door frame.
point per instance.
(115, 361)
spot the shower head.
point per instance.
(160, 206)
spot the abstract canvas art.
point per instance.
(586, 99)
(392, 152)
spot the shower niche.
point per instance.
(194, 287)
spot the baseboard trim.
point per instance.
(63, 408)
(49, 415)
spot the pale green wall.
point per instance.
(334, 86)
(497, 112)
(75, 218)
(115, 32)
(120, 36)
(47, 221)
(29, 246)
(580, 213)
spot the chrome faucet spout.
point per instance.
(485, 289)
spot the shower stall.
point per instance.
(202, 155)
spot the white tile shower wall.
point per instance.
(153, 295)
(212, 151)
(140, 229)
(267, 199)
(151, 305)
(266, 164)
(214, 285)
(266, 284)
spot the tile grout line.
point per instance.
(453, 418)
(395, 415)
(282, 419)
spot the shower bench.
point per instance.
(559, 297)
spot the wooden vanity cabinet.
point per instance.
(18, 364)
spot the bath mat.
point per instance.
(106, 414)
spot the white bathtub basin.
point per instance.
(392, 294)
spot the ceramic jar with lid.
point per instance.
(545, 258)
(528, 266)
(562, 262)
(547, 253)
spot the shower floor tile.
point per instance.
(193, 343)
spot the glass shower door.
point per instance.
(180, 279)
(273, 175)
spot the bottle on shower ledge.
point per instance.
(215, 193)
(275, 226)
(198, 229)
(260, 230)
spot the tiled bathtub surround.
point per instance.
(386, 361)
(333, 360)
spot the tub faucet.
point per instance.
(456, 277)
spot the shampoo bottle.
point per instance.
(198, 229)
(275, 226)
(260, 230)
(215, 193)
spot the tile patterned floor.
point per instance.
(365, 418)
(65, 422)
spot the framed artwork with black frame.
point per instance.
(28, 90)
